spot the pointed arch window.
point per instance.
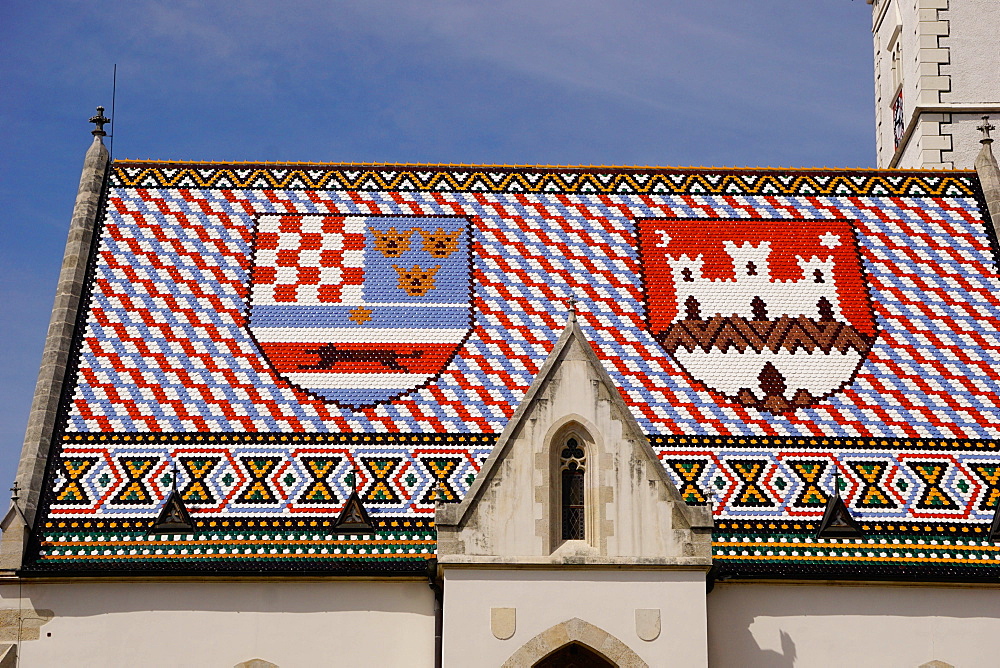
(573, 467)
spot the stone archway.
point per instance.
(581, 633)
(574, 655)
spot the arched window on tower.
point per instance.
(573, 466)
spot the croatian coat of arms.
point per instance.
(358, 310)
(772, 314)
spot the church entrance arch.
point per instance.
(574, 640)
(574, 655)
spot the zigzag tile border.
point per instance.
(257, 480)
(736, 553)
(886, 483)
(873, 557)
(433, 178)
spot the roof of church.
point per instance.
(265, 338)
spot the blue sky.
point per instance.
(669, 82)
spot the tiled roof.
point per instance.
(266, 330)
(230, 549)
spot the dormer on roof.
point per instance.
(574, 419)
(573, 484)
(174, 516)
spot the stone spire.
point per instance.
(989, 173)
(55, 358)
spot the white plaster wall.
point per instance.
(912, 43)
(910, 158)
(974, 42)
(974, 68)
(544, 598)
(919, 37)
(906, 14)
(758, 625)
(950, 58)
(965, 137)
(220, 624)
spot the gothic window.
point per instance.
(688, 275)
(896, 56)
(572, 466)
(758, 308)
(751, 269)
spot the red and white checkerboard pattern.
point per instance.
(324, 256)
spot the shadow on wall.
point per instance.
(757, 626)
(771, 658)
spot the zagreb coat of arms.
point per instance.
(359, 310)
(772, 314)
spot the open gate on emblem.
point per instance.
(359, 310)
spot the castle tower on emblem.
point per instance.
(774, 315)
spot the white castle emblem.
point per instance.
(775, 343)
(813, 296)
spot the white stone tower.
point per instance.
(937, 72)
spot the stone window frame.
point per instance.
(578, 428)
(572, 471)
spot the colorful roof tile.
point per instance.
(280, 335)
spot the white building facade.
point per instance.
(935, 77)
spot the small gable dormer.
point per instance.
(572, 541)
(573, 474)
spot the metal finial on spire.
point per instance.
(99, 120)
(572, 301)
(985, 128)
(15, 492)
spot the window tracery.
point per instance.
(573, 466)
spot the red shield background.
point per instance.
(772, 313)
(788, 239)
